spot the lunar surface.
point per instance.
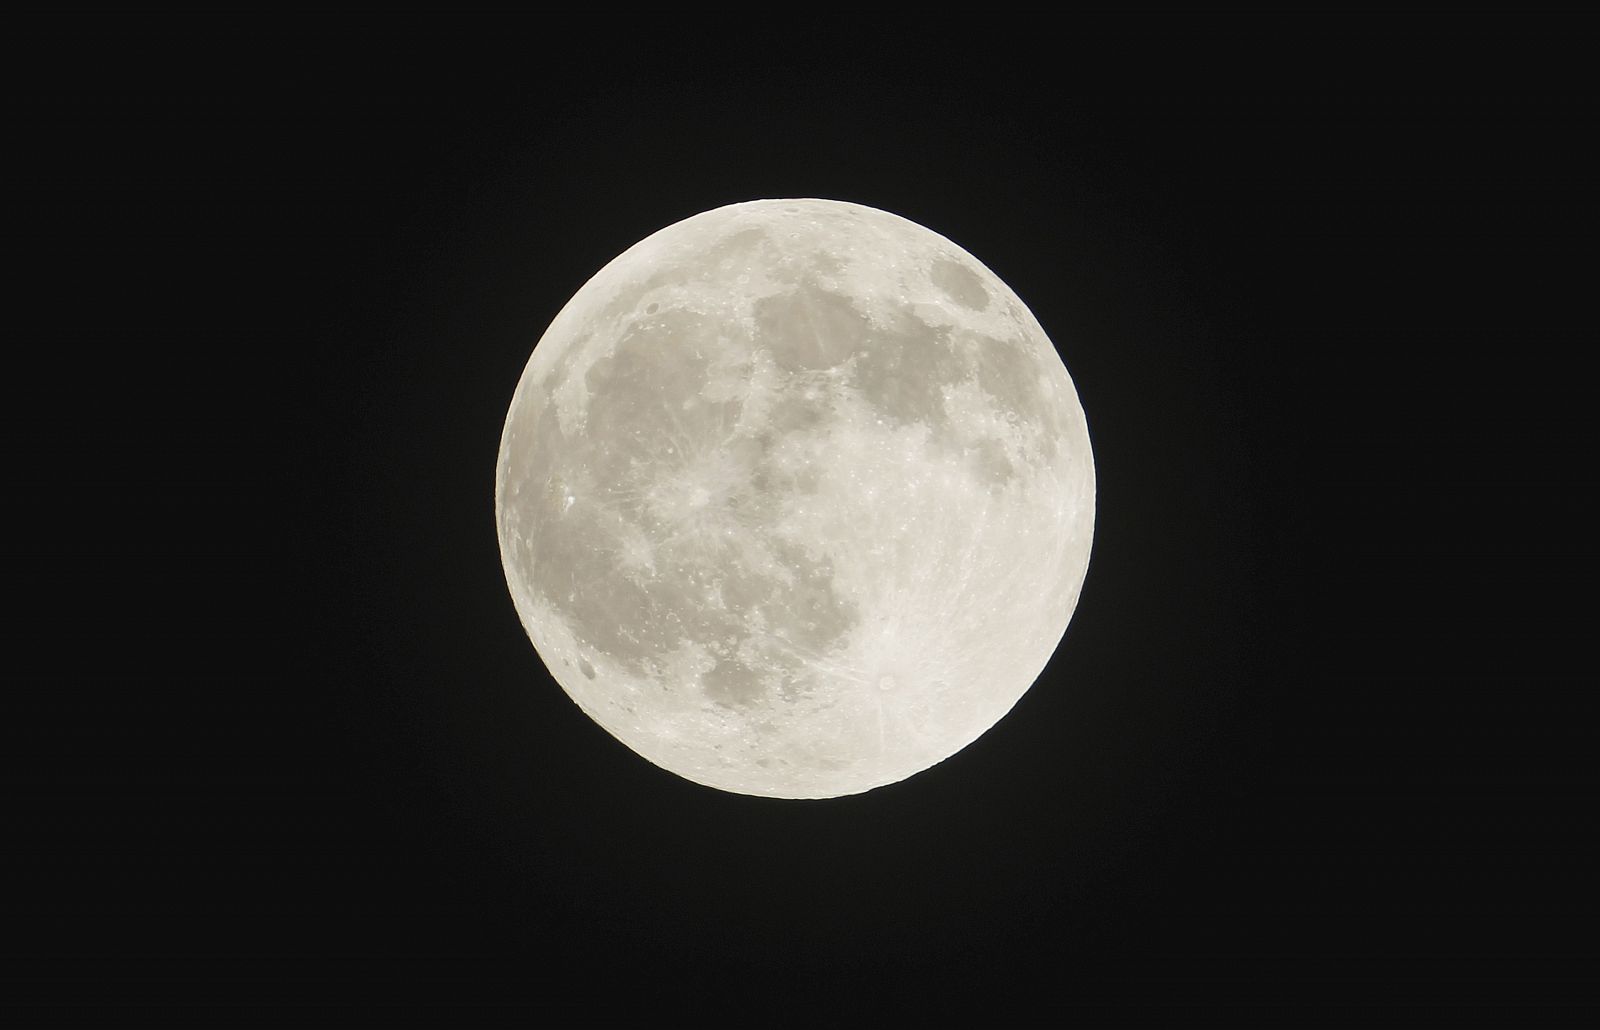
(795, 498)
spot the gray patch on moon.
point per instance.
(733, 683)
(902, 373)
(810, 328)
(960, 284)
(990, 463)
(1008, 374)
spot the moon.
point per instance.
(795, 498)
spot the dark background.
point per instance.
(1317, 742)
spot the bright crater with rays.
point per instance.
(795, 498)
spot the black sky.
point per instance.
(1318, 742)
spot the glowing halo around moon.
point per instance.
(795, 498)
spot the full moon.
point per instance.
(795, 498)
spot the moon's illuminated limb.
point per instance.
(795, 498)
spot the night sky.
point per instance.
(1318, 743)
